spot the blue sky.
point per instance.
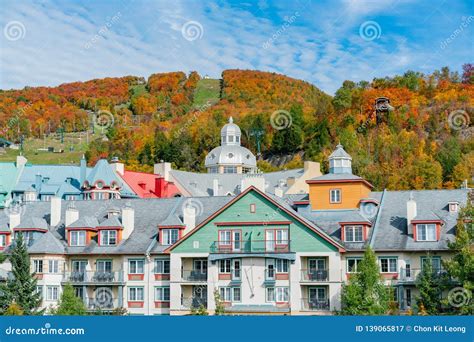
(324, 42)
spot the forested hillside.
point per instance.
(425, 141)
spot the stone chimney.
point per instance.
(256, 180)
(128, 220)
(215, 187)
(55, 217)
(72, 214)
(411, 213)
(189, 218)
(162, 169)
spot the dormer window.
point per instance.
(3, 240)
(426, 232)
(77, 238)
(353, 234)
(453, 207)
(335, 195)
(108, 237)
(231, 138)
(169, 236)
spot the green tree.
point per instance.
(429, 286)
(13, 310)
(461, 265)
(199, 311)
(449, 155)
(69, 304)
(366, 294)
(21, 287)
(220, 308)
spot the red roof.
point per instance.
(145, 185)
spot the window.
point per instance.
(230, 169)
(225, 237)
(162, 266)
(213, 169)
(230, 294)
(282, 294)
(78, 265)
(169, 236)
(270, 295)
(253, 208)
(162, 294)
(104, 266)
(79, 292)
(353, 265)
(52, 293)
(108, 237)
(53, 266)
(28, 237)
(353, 234)
(230, 239)
(276, 238)
(39, 289)
(225, 266)
(135, 266)
(388, 265)
(38, 266)
(3, 240)
(281, 266)
(46, 198)
(70, 198)
(281, 236)
(335, 195)
(236, 269)
(435, 263)
(408, 296)
(135, 294)
(426, 232)
(78, 238)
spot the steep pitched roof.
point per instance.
(47, 243)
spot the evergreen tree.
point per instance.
(69, 304)
(461, 265)
(428, 284)
(366, 293)
(21, 288)
(220, 309)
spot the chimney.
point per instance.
(256, 180)
(163, 169)
(128, 220)
(72, 214)
(14, 217)
(189, 218)
(20, 161)
(160, 187)
(38, 180)
(215, 187)
(278, 191)
(117, 166)
(83, 170)
(55, 216)
(290, 181)
(411, 213)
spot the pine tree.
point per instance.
(366, 293)
(429, 287)
(69, 304)
(461, 265)
(21, 287)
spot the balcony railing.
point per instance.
(313, 304)
(410, 275)
(193, 302)
(101, 303)
(314, 275)
(194, 275)
(95, 277)
(251, 246)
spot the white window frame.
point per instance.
(52, 293)
(168, 236)
(335, 196)
(136, 294)
(356, 264)
(162, 268)
(227, 293)
(80, 236)
(353, 230)
(38, 266)
(391, 267)
(136, 262)
(162, 293)
(225, 266)
(424, 227)
(282, 266)
(3, 240)
(282, 294)
(107, 236)
(270, 294)
(53, 266)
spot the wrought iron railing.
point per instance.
(194, 275)
(96, 277)
(314, 275)
(314, 304)
(251, 246)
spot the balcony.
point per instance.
(93, 277)
(101, 303)
(314, 275)
(193, 302)
(313, 304)
(251, 246)
(410, 275)
(194, 275)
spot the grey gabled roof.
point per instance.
(337, 176)
(28, 221)
(85, 222)
(47, 243)
(112, 221)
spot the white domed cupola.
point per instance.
(340, 161)
(230, 157)
(230, 134)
